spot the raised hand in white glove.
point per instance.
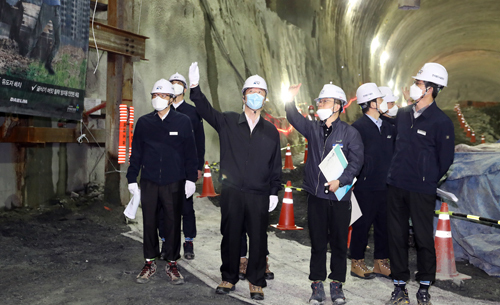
(273, 202)
(133, 188)
(194, 75)
(190, 188)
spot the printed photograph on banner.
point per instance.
(43, 57)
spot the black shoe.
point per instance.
(269, 275)
(398, 297)
(318, 295)
(423, 297)
(48, 66)
(336, 293)
(188, 250)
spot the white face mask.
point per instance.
(324, 114)
(415, 92)
(393, 111)
(178, 89)
(383, 108)
(159, 104)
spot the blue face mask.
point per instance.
(255, 101)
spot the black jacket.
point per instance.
(379, 147)
(199, 133)
(342, 134)
(250, 163)
(424, 149)
(163, 150)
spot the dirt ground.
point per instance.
(73, 252)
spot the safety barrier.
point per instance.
(472, 217)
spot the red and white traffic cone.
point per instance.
(445, 256)
(305, 154)
(288, 158)
(483, 140)
(287, 219)
(462, 123)
(208, 185)
(468, 132)
(473, 137)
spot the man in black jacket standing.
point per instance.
(250, 170)
(328, 216)
(164, 151)
(371, 187)
(179, 85)
(424, 152)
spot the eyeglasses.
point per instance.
(324, 101)
(161, 95)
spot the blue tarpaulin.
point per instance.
(475, 180)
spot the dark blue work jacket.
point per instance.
(424, 149)
(199, 133)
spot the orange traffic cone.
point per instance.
(208, 185)
(462, 122)
(473, 137)
(287, 219)
(468, 132)
(305, 154)
(349, 237)
(483, 140)
(445, 256)
(288, 158)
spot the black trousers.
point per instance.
(188, 219)
(243, 211)
(244, 245)
(401, 205)
(328, 223)
(373, 205)
(170, 197)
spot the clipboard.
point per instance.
(333, 166)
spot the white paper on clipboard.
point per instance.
(333, 164)
(355, 210)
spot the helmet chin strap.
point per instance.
(423, 95)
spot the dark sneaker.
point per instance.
(423, 297)
(269, 275)
(243, 268)
(173, 273)
(224, 288)
(398, 297)
(147, 272)
(49, 68)
(188, 250)
(336, 293)
(256, 292)
(318, 296)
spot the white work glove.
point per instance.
(190, 188)
(194, 75)
(273, 202)
(133, 188)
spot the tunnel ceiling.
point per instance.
(462, 35)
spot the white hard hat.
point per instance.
(368, 92)
(332, 91)
(178, 77)
(254, 81)
(389, 97)
(434, 73)
(163, 86)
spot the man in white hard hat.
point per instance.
(250, 170)
(371, 188)
(424, 152)
(164, 151)
(179, 85)
(390, 99)
(328, 216)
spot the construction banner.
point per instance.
(43, 57)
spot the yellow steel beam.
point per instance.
(115, 40)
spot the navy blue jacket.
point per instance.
(199, 133)
(379, 147)
(342, 134)
(424, 149)
(163, 150)
(248, 162)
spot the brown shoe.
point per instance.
(256, 292)
(224, 288)
(382, 267)
(359, 269)
(243, 268)
(269, 274)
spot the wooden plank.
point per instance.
(115, 40)
(25, 134)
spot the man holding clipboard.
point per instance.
(328, 216)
